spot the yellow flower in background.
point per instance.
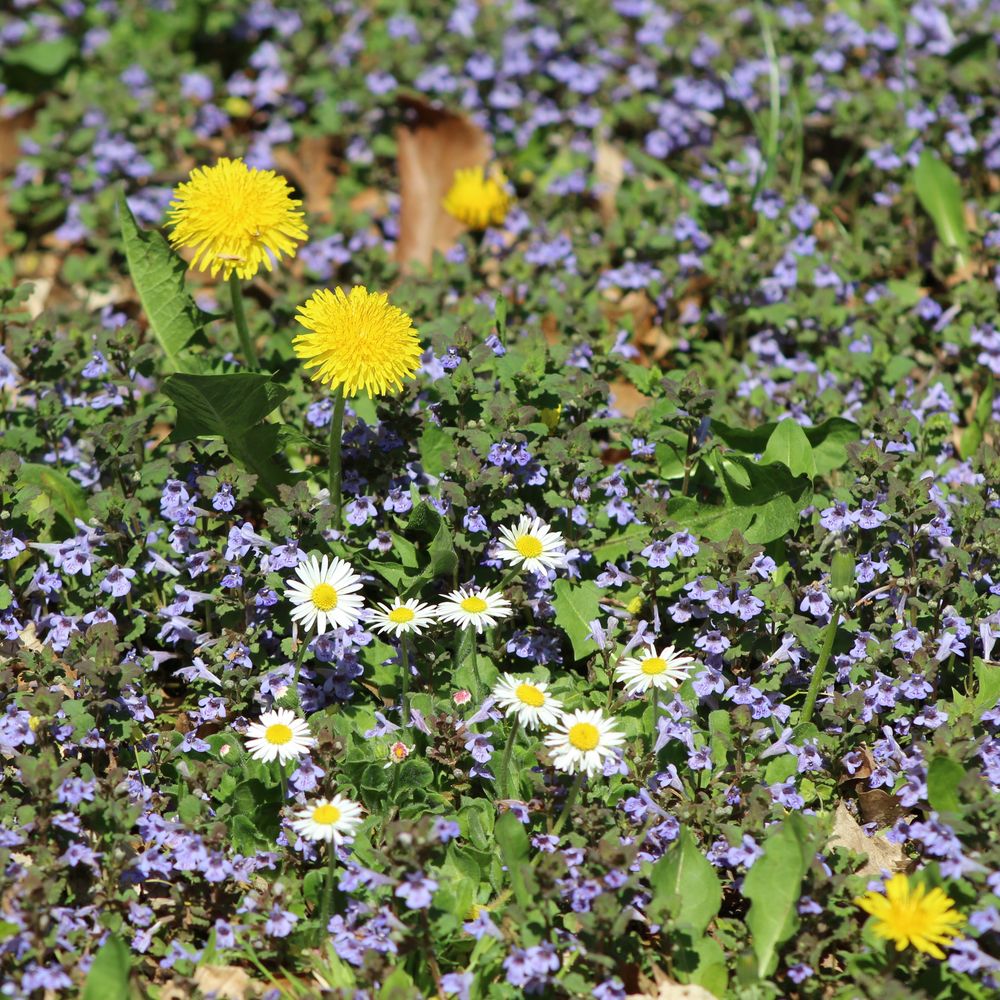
(910, 915)
(235, 218)
(478, 200)
(357, 341)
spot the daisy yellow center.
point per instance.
(474, 605)
(584, 736)
(326, 815)
(401, 616)
(356, 341)
(324, 597)
(528, 694)
(654, 665)
(278, 734)
(529, 546)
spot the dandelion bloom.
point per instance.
(910, 915)
(325, 594)
(477, 199)
(332, 820)
(235, 218)
(478, 607)
(280, 736)
(661, 670)
(529, 701)
(356, 341)
(531, 543)
(582, 740)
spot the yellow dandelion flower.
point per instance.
(356, 341)
(235, 218)
(910, 915)
(478, 200)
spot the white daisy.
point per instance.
(325, 594)
(333, 819)
(402, 616)
(582, 740)
(280, 736)
(529, 701)
(477, 607)
(532, 544)
(666, 669)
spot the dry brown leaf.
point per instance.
(432, 145)
(311, 166)
(662, 987)
(881, 853)
(609, 171)
(229, 981)
(627, 399)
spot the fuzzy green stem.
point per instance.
(508, 750)
(299, 657)
(240, 317)
(331, 878)
(817, 678)
(336, 473)
(404, 681)
(283, 781)
(478, 692)
(574, 791)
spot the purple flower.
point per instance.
(417, 890)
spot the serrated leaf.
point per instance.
(576, 607)
(789, 445)
(108, 978)
(773, 886)
(158, 275)
(940, 193)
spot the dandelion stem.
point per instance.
(331, 875)
(404, 682)
(240, 317)
(336, 474)
(574, 791)
(820, 668)
(505, 782)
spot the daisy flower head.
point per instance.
(325, 594)
(652, 669)
(529, 701)
(333, 820)
(398, 752)
(475, 606)
(531, 543)
(236, 218)
(478, 199)
(909, 915)
(280, 735)
(402, 616)
(582, 740)
(356, 341)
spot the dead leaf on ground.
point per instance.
(229, 981)
(312, 166)
(609, 171)
(662, 987)
(432, 144)
(882, 855)
(627, 399)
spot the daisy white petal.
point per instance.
(333, 820)
(531, 543)
(582, 740)
(280, 735)
(402, 616)
(660, 670)
(326, 595)
(528, 701)
(475, 606)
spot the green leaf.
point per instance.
(943, 778)
(940, 194)
(828, 440)
(972, 436)
(513, 843)
(398, 986)
(44, 58)
(65, 495)
(231, 406)
(437, 449)
(789, 445)
(685, 886)
(613, 548)
(158, 275)
(576, 607)
(6, 597)
(108, 978)
(773, 886)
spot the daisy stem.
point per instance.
(331, 875)
(475, 664)
(336, 475)
(240, 318)
(299, 657)
(505, 782)
(283, 781)
(574, 791)
(404, 682)
(817, 678)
